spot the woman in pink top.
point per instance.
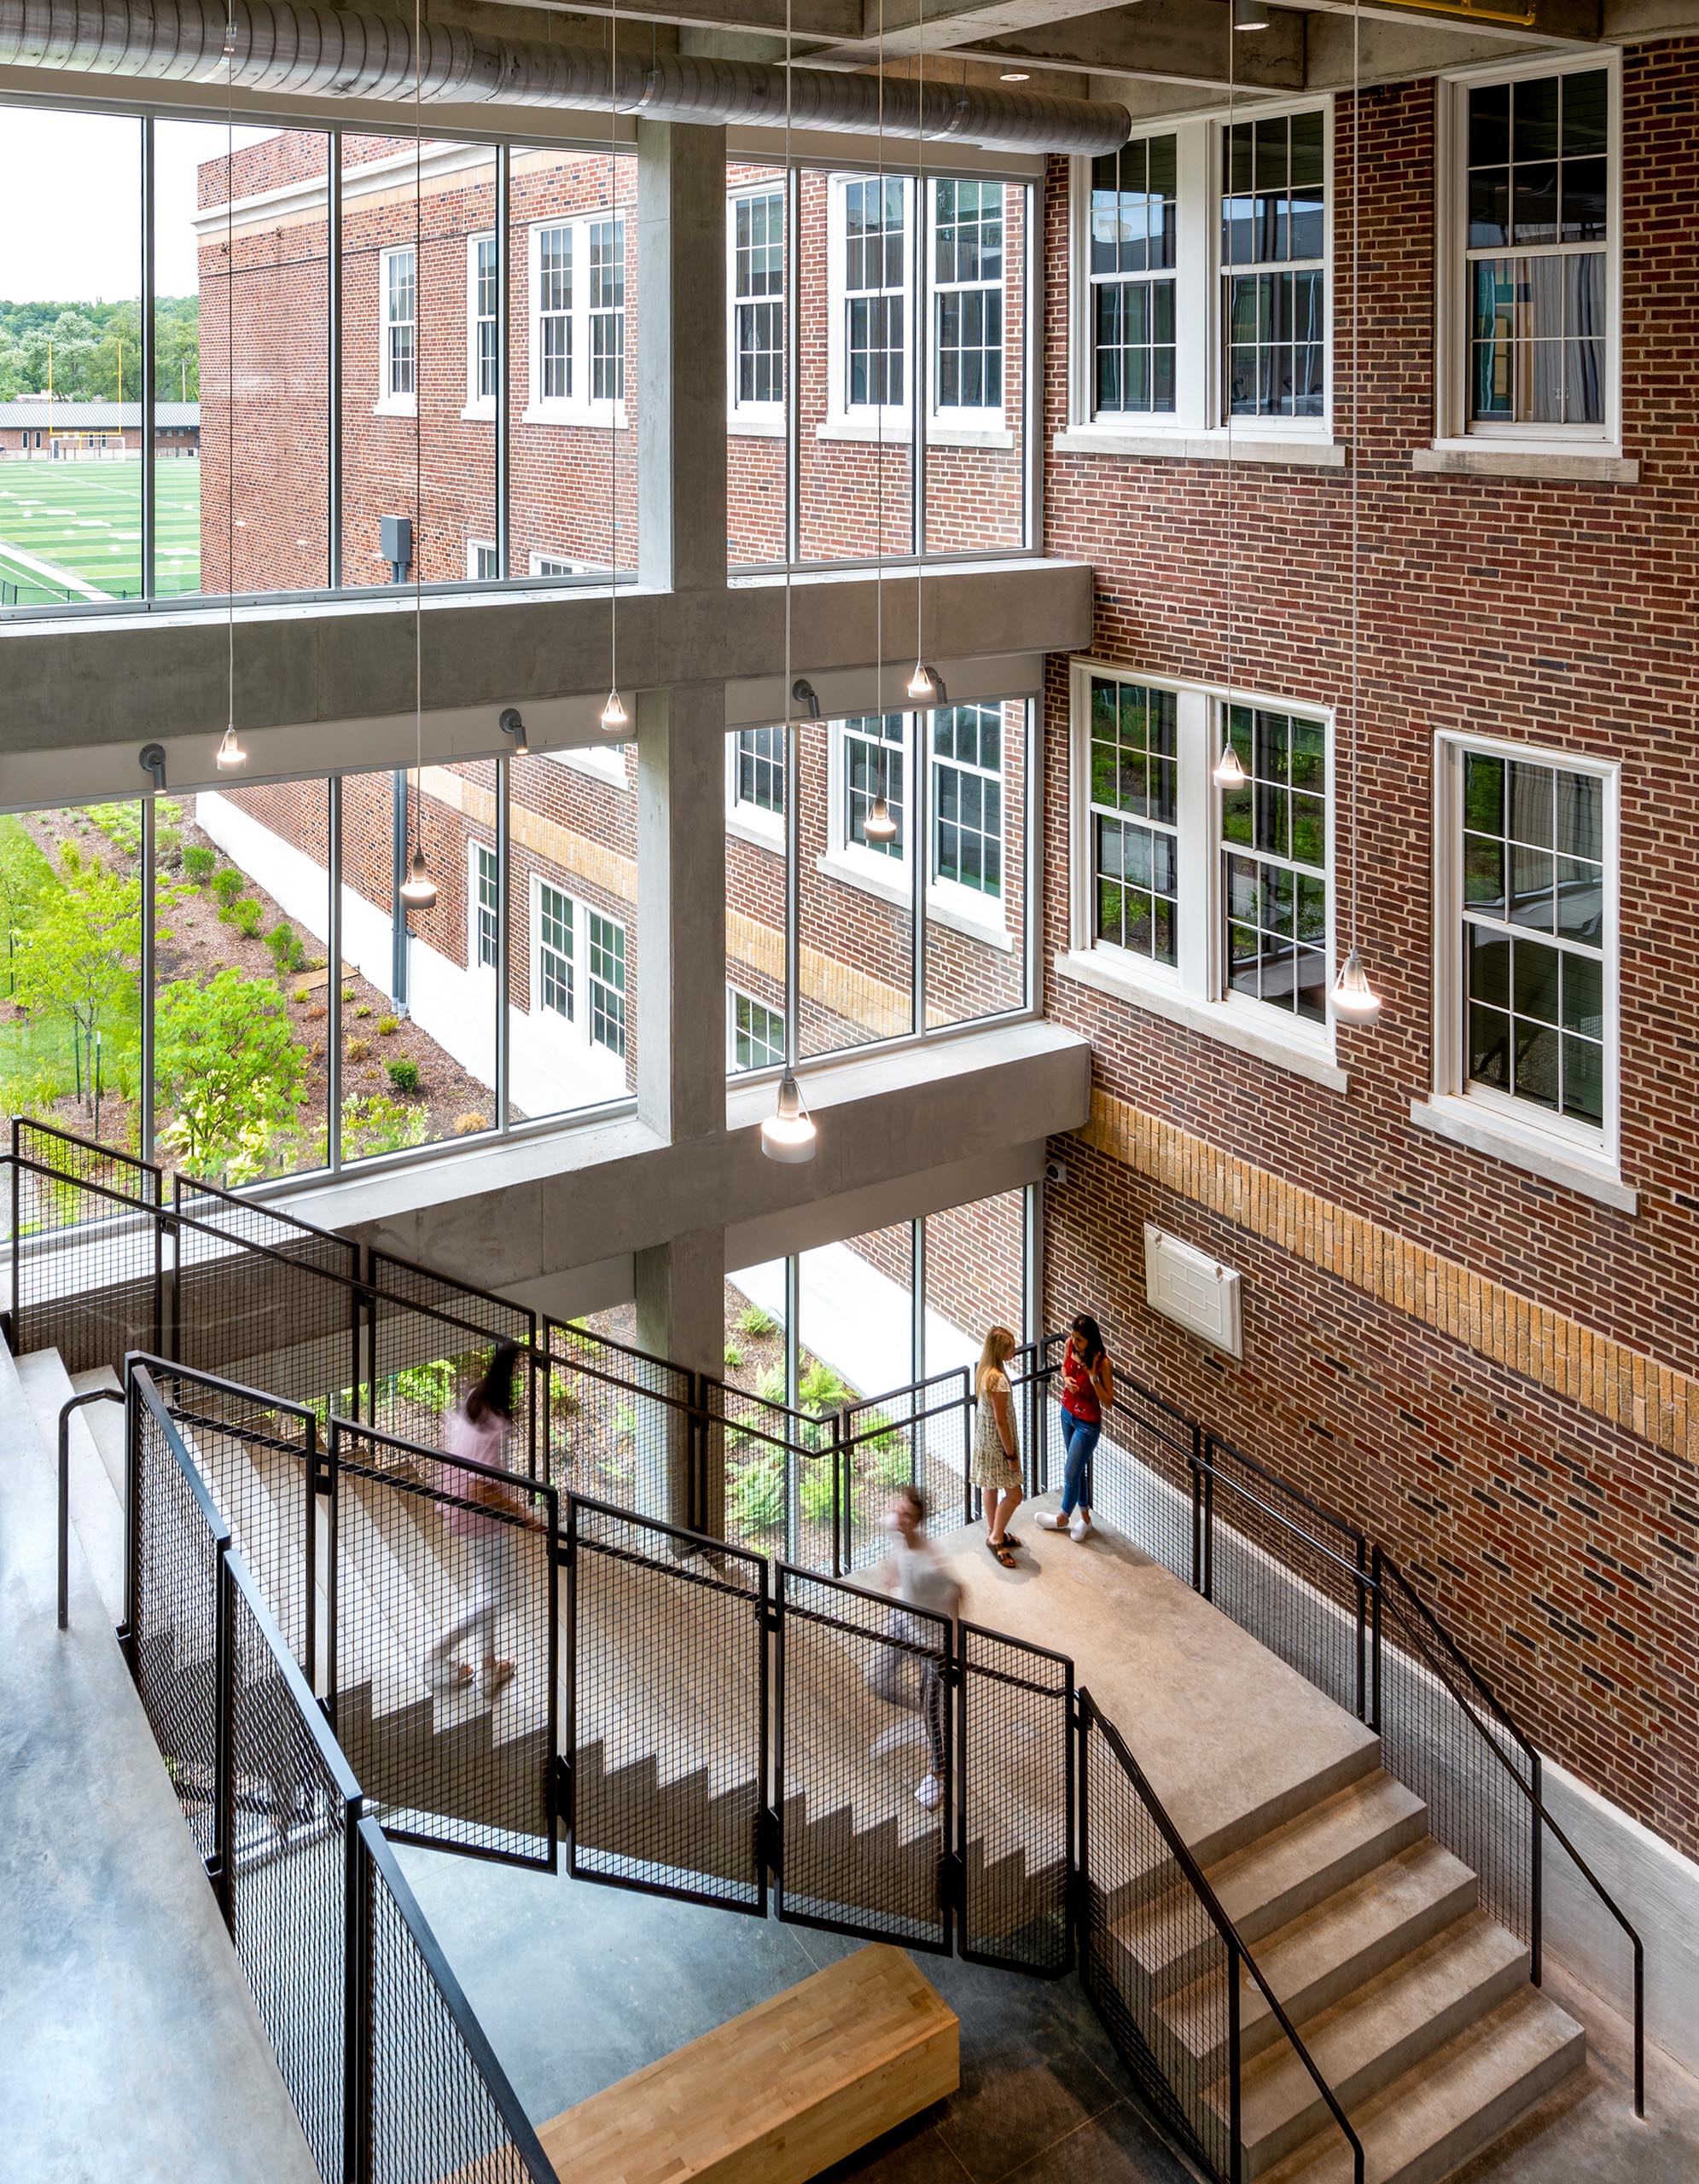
(486, 1515)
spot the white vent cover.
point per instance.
(1195, 1291)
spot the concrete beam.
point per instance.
(1168, 41)
(531, 1211)
(1516, 22)
(330, 689)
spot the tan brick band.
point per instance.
(1630, 1389)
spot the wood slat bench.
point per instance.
(777, 2094)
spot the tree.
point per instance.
(227, 1065)
(25, 879)
(82, 958)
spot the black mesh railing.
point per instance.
(668, 1721)
(618, 1426)
(863, 1763)
(430, 1338)
(445, 1644)
(259, 1297)
(782, 1476)
(918, 1435)
(1016, 1787)
(87, 1250)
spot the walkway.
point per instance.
(128, 2046)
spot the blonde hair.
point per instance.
(999, 1348)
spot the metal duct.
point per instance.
(332, 52)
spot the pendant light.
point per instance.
(418, 891)
(1249, 15)
(229, 754)
(787, 1135)
(1354, 1000)
(614, 719)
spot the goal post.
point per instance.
(89, 446)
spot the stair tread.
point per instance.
(1405, 2013)
(1360, 1815)
(105, 1422)
(1430, 2121)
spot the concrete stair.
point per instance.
(97, 1497)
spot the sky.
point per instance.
(72, 185)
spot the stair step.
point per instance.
(1379, 2032)
(1455, 2102)
(97, 1512)
(105, 1422)
(1318, 1958)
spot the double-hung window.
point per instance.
(1529, 310)
(874, 748)
(870, 280)
(606, 970)
(1202, 256)
(966, 302)
(578, 966)
(556, 926)
(484, 904)
(482, 560)
(483, 304)
(754, 1033)
(398, 301)
(1208, 903)
(755, 239)
(577, 282)
(967, 798)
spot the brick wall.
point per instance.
(1559, 1536)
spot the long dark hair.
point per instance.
(1090, 1338)
(492, 1394)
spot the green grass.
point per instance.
(85, 518)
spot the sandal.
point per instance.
(997, 1548)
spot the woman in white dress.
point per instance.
(996, 1449)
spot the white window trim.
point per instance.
(733, 995)
(577, 408)
(755, 420)
(1492, 448)
(985, 425)
(1554, 1146)
(1194, 991)
(889, 420)
(475, 850)
(479, 408)
(1195, 430)
(572, 1033)
(749, 822)
(388, 405)
(475, 547)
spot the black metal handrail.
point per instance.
(1239, 1955)
(66, 1409)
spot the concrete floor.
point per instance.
(128, 2045)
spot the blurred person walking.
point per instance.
(487, 1516)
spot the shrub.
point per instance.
(404, 1074)
(227, 883)
(317, 1010)
(358, 1050)
(198, 861)
(734, 1357)
(347, 993)
(246, 917)
(753, 1321)
(771, 1385)
(168, 847)
(285, 945)
(317, 962)
(469, 1125)
(820, 1389)
(388, 1026)
(365, 1009)
(758, 1496)
(373, 1124)
(302, 995)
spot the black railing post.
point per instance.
(1208, 1585)
(223, 1860)
(17, 1227)
(1537, 1878)
(1236, 2072)
(159, 1227)
(132, 1512)
(1375, 1600)
(357, 2006)
(332, 1479)
(1362, 1629)
(840, 1498)
(310, 1543)
(1079, 1891)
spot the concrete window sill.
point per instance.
(584, 419)
(894, 887)
(1464, 1122)
(743, 827)
(1309, 454)
(1549, 466)
(743, 427)
(1216, 1019)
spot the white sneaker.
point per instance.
(931, 1793)
(1049, 1521)
(1079, 1530)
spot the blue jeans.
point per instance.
(1078, 1439)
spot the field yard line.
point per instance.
(47, 569)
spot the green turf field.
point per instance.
(84, 518)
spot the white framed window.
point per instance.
(755, 785)
(1211, 906)
(483, 562)
(755, 328)
(1202, 293)
(576, 283)
(578, 967)
(483, 306)
(754, 1033)
(967, 799)
(1526, 973)
(1529, 305)
(398, 331)
(968, 242)
(870, 294)
(483, 907)
(872, 761)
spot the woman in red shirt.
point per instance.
(1088, 1388)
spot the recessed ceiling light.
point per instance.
(1017, 75)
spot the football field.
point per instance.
(74, 529)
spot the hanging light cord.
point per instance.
(418, 432)
(1356, 409)
(229, 350)
(613, 421)
(1232, 153)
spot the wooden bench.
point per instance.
(778, 2094)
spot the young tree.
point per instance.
(227, 1064)
(26, 876)
(82, 958)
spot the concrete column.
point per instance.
(680, 1291)
(681, 356)
(681, 910)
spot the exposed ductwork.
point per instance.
(342, 54)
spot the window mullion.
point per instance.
(1197, 848)
(1196, 405)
